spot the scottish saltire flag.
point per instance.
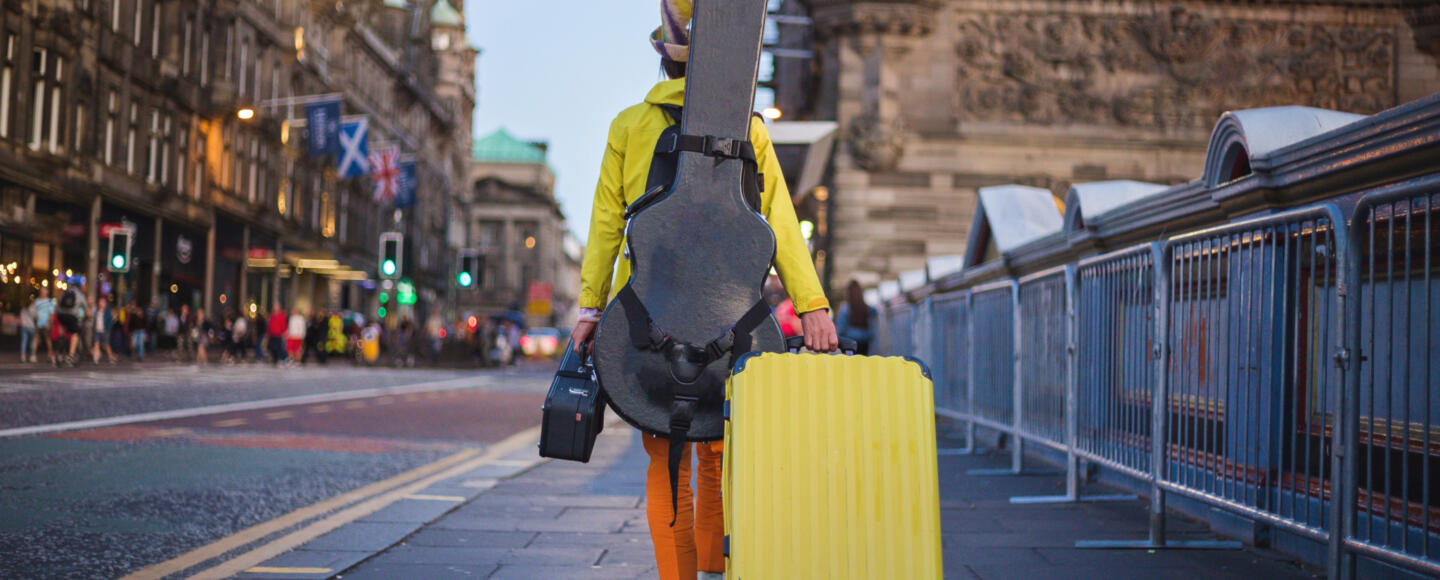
(405, 195)
(385, 170)
(322, 122)
(354, 148)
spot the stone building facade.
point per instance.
(125, 112)
(937, 98)
(516, 224)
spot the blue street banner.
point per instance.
(405, 193)
(322, 122)
(354, 148)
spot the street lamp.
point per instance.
(245, 114)
(771, 113)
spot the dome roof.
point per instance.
(445, 14)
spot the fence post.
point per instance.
(1159, 401)
(1344, 467)
(1072, 469)
(1017, 449)
(970, 370)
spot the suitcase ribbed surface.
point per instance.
(830, 469)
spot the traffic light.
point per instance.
(119, 254)
(470, 266)
(392, 251)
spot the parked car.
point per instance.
(540, 342)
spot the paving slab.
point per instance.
(587, 521)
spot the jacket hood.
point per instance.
(671, 92)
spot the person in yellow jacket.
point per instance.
(693, 543)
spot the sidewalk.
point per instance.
(568, 520)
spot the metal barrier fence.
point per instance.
(1115, 358)
(992, 355)
(1043, 340)
(1392, 510)
(1251, 389)
(951, 352)
(1269, 368)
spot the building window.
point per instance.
(155, 30)
(254, 168)
(6, 77)
(112, 113)
(130, 138)
(56, 105)
(139, 12)
(38, 62)
(200, 160)
(80, 112)
(165, 137)
(204, 59)
(115, 9)
(152, 149)
(244, 62)
(181, 178)
(187, 36)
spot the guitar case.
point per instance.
(699, 254)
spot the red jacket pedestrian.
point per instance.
(278, 323)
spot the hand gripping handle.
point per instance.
(795, 343)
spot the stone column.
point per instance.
(159, 246)
(242, 293)
(209, 291)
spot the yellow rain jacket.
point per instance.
(628, 153)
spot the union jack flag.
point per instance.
(385, 168)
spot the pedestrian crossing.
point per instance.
(101, 378)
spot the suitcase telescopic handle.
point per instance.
(795, 343)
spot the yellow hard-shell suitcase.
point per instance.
(830, 469)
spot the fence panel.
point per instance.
(951, 351)
(1396, 421)
(1251, 388)
(1115, 366)
(900, 330)
(1043, 368)
(993, 380)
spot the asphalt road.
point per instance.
(105, 501)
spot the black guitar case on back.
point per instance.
(699, 253)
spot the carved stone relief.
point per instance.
(876, 145)
(1172, 68)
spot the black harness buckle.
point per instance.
(722, 147)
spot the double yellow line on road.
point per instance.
(361, 502)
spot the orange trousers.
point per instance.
(695, 542)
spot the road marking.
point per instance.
(278, 570)
(314, 530)
(236, 422)
(435, 497)
(319, 409)
(251, 534)
(445, 385)
(355, 405)
(278, 415)
(384, 401)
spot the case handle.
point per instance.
(795, 343)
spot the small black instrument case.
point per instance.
(574, 412)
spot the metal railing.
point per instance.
(1276, 368)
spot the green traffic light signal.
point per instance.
(384, 298)
(388, 267)
(465, 279)
(117, 262)
(382, 312)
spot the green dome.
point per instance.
(445, 14)
(502, 147)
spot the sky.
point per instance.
(560, 72)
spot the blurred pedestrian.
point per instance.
(27, 333)
(240, 339)
(44, 315)
(276, 333)
(204, 330)
(104, 324)
(295, 337)
(138, 328)
(154, 323)
(315, 334)
(70, 313)
(186, 334)
(335, 335)
(855, 317)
